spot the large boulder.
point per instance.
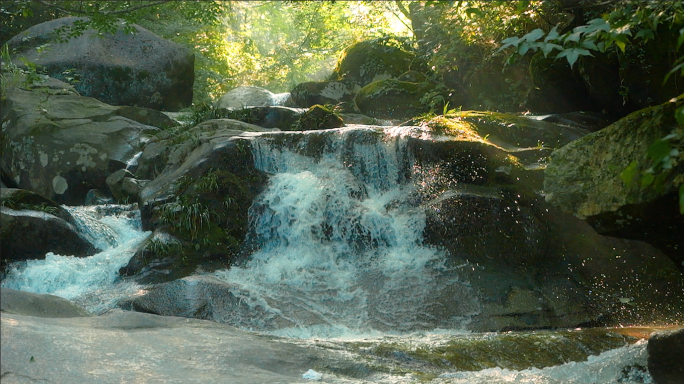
(245, 96)
(665, 356)
(283, 118)
(198, 203)
(511, 261)
(604, 179)
(369, 61)
(137, 69)
(28, 234)
(394, 99)
(62, 145)
(320, 92)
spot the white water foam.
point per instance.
(87, 280)
(341, 248)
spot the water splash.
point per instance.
(341, 244)
(88, 280)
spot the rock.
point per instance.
(521, 263)
(412, 77)
(19, 199)
(247, 96)
(139, 69)
(318, 117)
(392, 99)
(200, 198)
(369, 61)
(32, 304)
(125, 346)
(267, 117)
(584, 179)
(61, 146)
(115, 183)
(665, 356)
(320, 92)
(31, 234)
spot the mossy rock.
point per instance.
(393, 99)
(318, 117)
(368, 61)
(588, 179)
(506, 130)
(19, 199)
(308, 94)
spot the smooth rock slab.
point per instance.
(129, 347)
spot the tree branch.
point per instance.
(81, 12)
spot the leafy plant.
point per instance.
(185, 214)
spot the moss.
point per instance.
(393, 98)
(318, 117)
(363, 61)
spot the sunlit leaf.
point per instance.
(627, 175)
(522, 5)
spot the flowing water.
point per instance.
(340, 258)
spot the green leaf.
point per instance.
(646, 180)
(575, 36)
(681, 199)
(511, 41)
(547, 48)
(659, 150)
(533, 35)
(645, 34)
(627, 175)
(572, 54)
(679, 115)
(680, 40)
(553, 34)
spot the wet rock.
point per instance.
(150, 72)
(584, 179)
(61, 146)
(31, 234)
(200, 198)
(665, 356)
(31, 304)
(19, 199)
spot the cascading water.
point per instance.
(90, 281)
(341, 245)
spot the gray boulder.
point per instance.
(665, 357)
(139, 69)
(32, 304)
(584, 179)
(311, 93)
(61, 146)
(31, 234)
(247, 96)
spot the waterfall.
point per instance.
(90, 281)
(340, 243)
